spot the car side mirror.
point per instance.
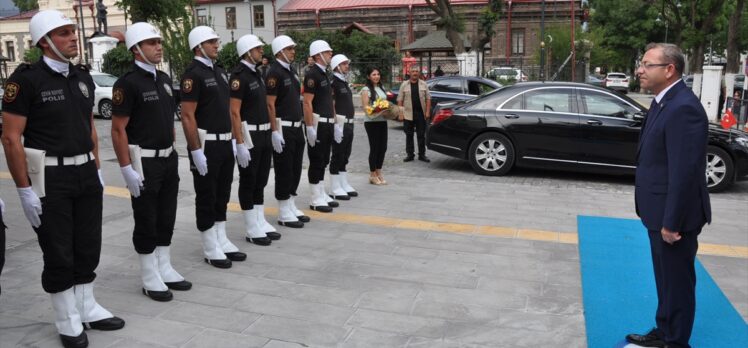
(639, 116)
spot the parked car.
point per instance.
(567, 126)
(451, 88)
(617, 82)
(103, 94)
(507, 73)
(593, 80)
(688, 80)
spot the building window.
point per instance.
(518, 42)
(10, 48)
(230, 18)
(30, 46)
(259, 14)
(202, 16)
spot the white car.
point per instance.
(616, 81)
(103, 94)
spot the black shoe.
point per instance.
(352, 194)
(225, 263)
(273, 235)
(304, 218)
(650, 339)
(180, 285)
(321, 208)
(264, 241)
(409, 158)
(108, 324)
(292, 224)
(423, 158)
(160, 296)
(342, 198)
(236, 256)
(333, 204)
(80, 341)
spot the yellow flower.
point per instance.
(369, 110)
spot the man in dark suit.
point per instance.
(671, 195)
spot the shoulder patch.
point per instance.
(118, 96)
(11, 92)
(235, 84)
(187, 85)
(272, 82)
(310, 83)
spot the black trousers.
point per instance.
(70, 233)
(212, 191)
(287, 164)
(2, 246)
(342, 152)
(155, 210)
(254, 178)
(675, 278)
(419, 123)
(377, 133)
(319, 154)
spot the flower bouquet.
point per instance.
(384, 108)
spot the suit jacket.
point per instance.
(671, 164)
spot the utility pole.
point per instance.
(542, 41)
(573, 46)
(84, 46)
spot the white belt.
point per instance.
(68, 161)
(218, 136)
(327, 119)
(156, 153)
(258, 127)
(294, 124)
(349, 120)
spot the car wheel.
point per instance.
(178, 113)
(720, 170)
(491, 154)
(105, 109)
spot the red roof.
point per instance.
(315, 5)
(22, 15)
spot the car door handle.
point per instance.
(511, 116)
(594, 122)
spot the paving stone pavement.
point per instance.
(354, 283)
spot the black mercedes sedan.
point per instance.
(567, 126)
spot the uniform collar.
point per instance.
(249, 65)
(284, 64)
(206, 61)
(147, 67)
(340, 76)
(662, 93)
(321, 67)
(57, 66)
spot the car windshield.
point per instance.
(104, 80)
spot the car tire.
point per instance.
(491, 154)
(720, 169)
(105, 109)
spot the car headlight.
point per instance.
(743, 141)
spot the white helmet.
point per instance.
(337, 60)
(318, 46)
(139, 32)
(281, 42)
(246, 43)
(45, 21)
(201, 34)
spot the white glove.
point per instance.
(278, 141)
(2, 206)
(233, 146)
(31, 204)
(132, 180)
(242, 155)
(101, 178)
(311, 136)
(338, 133)
(201, 162)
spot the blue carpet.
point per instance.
(619, 289)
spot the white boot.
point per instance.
(286, 215)
(250, 221)
(211, 248)
(223, 241)
(167, 272)
(336, 187)
(261, 222)
(153, 285)
(89, 309)
(318, 203)
(67, 317)
(296, 210)
(346, 186)
(330, 202)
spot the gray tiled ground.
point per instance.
(359, 285)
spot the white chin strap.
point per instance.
(284, 57)
(55, 50)
(323, 59)
(137, 46)
(251, 60)
(203, 51)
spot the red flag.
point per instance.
(728, 119)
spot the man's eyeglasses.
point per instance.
(648, 66)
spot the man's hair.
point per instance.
(671, 54)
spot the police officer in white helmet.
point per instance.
(49, 104)
(341, 148)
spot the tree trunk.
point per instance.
(733, 36)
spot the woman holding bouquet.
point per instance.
(373, 98)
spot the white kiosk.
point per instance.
(99, 46)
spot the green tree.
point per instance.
(453, 23)
(227, 56)
(117, 61)
(33, 55)
(26, 5)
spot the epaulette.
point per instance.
(82, 67)
(238, 68)
(23, 67)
